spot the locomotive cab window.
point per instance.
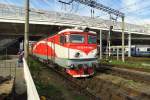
(62, 39)
(92, 39)
(76, 38)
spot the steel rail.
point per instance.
(72, 82)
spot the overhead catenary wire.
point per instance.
(131, 5)
(127, 6)
(137, 10)
(129, 12)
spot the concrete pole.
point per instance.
(109, 44)
(117, 53)
(26, 37)
(109, 49)
(46, 43)
(100, 45)
(129, 44)
(123, 54)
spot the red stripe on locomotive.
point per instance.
(44, 49)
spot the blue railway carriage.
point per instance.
(136, 50)
(141, 50)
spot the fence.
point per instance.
(32, 93)
(7, 65)
(8, 68)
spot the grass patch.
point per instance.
(48, 90)
(48, 86)
(80, 98)
(128, 64)
(44, 87)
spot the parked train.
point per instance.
(74, 50)
(136, 50)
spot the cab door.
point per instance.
(53, 50)
(65, 48)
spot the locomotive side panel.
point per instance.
(43, 50)
(51, 49)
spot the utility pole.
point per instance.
(123, 51)
(110, 30)
(26, 34)
(129, 44)
(109, 40)
(100, 45)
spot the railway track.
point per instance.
(98, 87)
(78, 84)
(137, 76)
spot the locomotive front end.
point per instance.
(82, 54)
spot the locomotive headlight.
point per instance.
(72, 66)
(77, 54)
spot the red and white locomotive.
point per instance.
(73, 49)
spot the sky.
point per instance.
(136, 11)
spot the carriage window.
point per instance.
(92, 39)
(132, 49)
(112, 49)
(148, 49)
(75, 38)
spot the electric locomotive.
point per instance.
(73, 49)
